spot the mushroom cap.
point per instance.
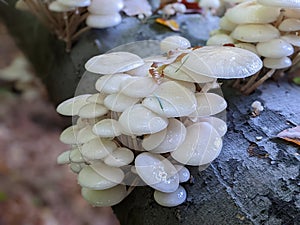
(219, 39)
(115, 62)
(71, 107)
(177, 72)
(92, 110)
(118, 102)
(251, 12)
(183, 173)
(208, 104)
(138, 87)
(174, 42)
(69, 135)
(120, 157)
(280, 3)
(96, 176)
(111, 83)
(153, 140)
(56, 6)
(275, 48)
(76, 167)
(85, 134)
(63, 158)
(104, 198)
(170, 199)
(75, 3)
(141, 71)
(107, 128)
(279, 63)
(292, 39)
(175, 135)
(99, 7)
(157, 171)
(219, 125)
(96, 98)
(292, 13)
(255, 32)
(171, 99)
(138, 120)
(289, 24)
(226, 24)
(201, 146)
(76, 156)
(222, 62)
(97, 148)
(247, 46)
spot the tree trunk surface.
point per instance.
(251, 182)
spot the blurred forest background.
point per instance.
(34, 190)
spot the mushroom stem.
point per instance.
(237, 83)
(260, 81)
(280, 18)
(250, 81)
(78, 33)
(67, 38)
(35, 10)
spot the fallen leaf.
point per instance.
(172, 24)
(291, 135)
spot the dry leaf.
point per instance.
(291, 134)
(172, 24)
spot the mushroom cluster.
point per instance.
(149, 118)
(269, 28)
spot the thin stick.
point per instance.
(237, 83)
(260, 81)
(250, 81)
(78, 33)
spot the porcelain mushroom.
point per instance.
(104, 198)
(174, 42)
(170, 199)
(277, 63)
(110, 83)
(219, 125)
(85, 134)
(222, 62)
(107, 128)
(201, 145)
(71, 107)
(64, 157)
(183, 173)
(97, 148)
(115, 62)
(280, 3)
(119, 102)
(119, 157)
(69, 135)
(56, 6)
(75, 3)
(92, 110)
(275, 48)
(157, 171)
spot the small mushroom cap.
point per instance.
(247, 46)
(174, 42)
(174, 137)
(138, 87)
(90, 177)
(292, 13)
(170, 199)
(111, 83)
(75, 3)
(107, 128)
(251, 12)
(280, 3)
(119, 102)
(111, 173)
(171, 99)
(226, 24)
(76, 167)
(85, 134)
(115, 62)
(201, 146)
(183, 173)
(56, 6)
(97, 148)
(279, 63)
(104, 198)
(219, 39)
(289, 24)
(92, 110)
(63, 158)
(219, 125)
(292, 39)
(97, 7)
(120, 157)
(222, 62)
(153, 140)
(138, 120)
(208, 104)
(96, 98)
(141, 71)
(71, 107)
(76, 156)
(157, 172)
(69, 135)
(255, 32)
(275, 48)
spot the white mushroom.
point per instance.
(111, 83)
(174, 42)
(208, 104)
(279, 63)
(201, 145)
(104, 198)
(222, 62)
(289, 24)
(56, 6)
(85, 134)
(69, 135)
(226, 24)
(92, 110)
(255, 32)
(97, 148)
(71, 107)
(101, 7)
(183, 173)
(219, 125)
(138, 120)
(119, 102)
(280, 3)
(292, 39)
(153, 140)
(247, 46)
(219, 39)
(170, 199)
(120, 157)
(171, 99)
(96, 98)
(141, 71)
(76, 167)
(275, 48)
(157, 172)
(114, 62)
(107, 128)
(75, 156)
(75, 3)
(64, 157)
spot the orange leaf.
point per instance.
(172, 24)
(291, 135)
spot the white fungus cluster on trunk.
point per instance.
(269, 28)
(149, 118)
